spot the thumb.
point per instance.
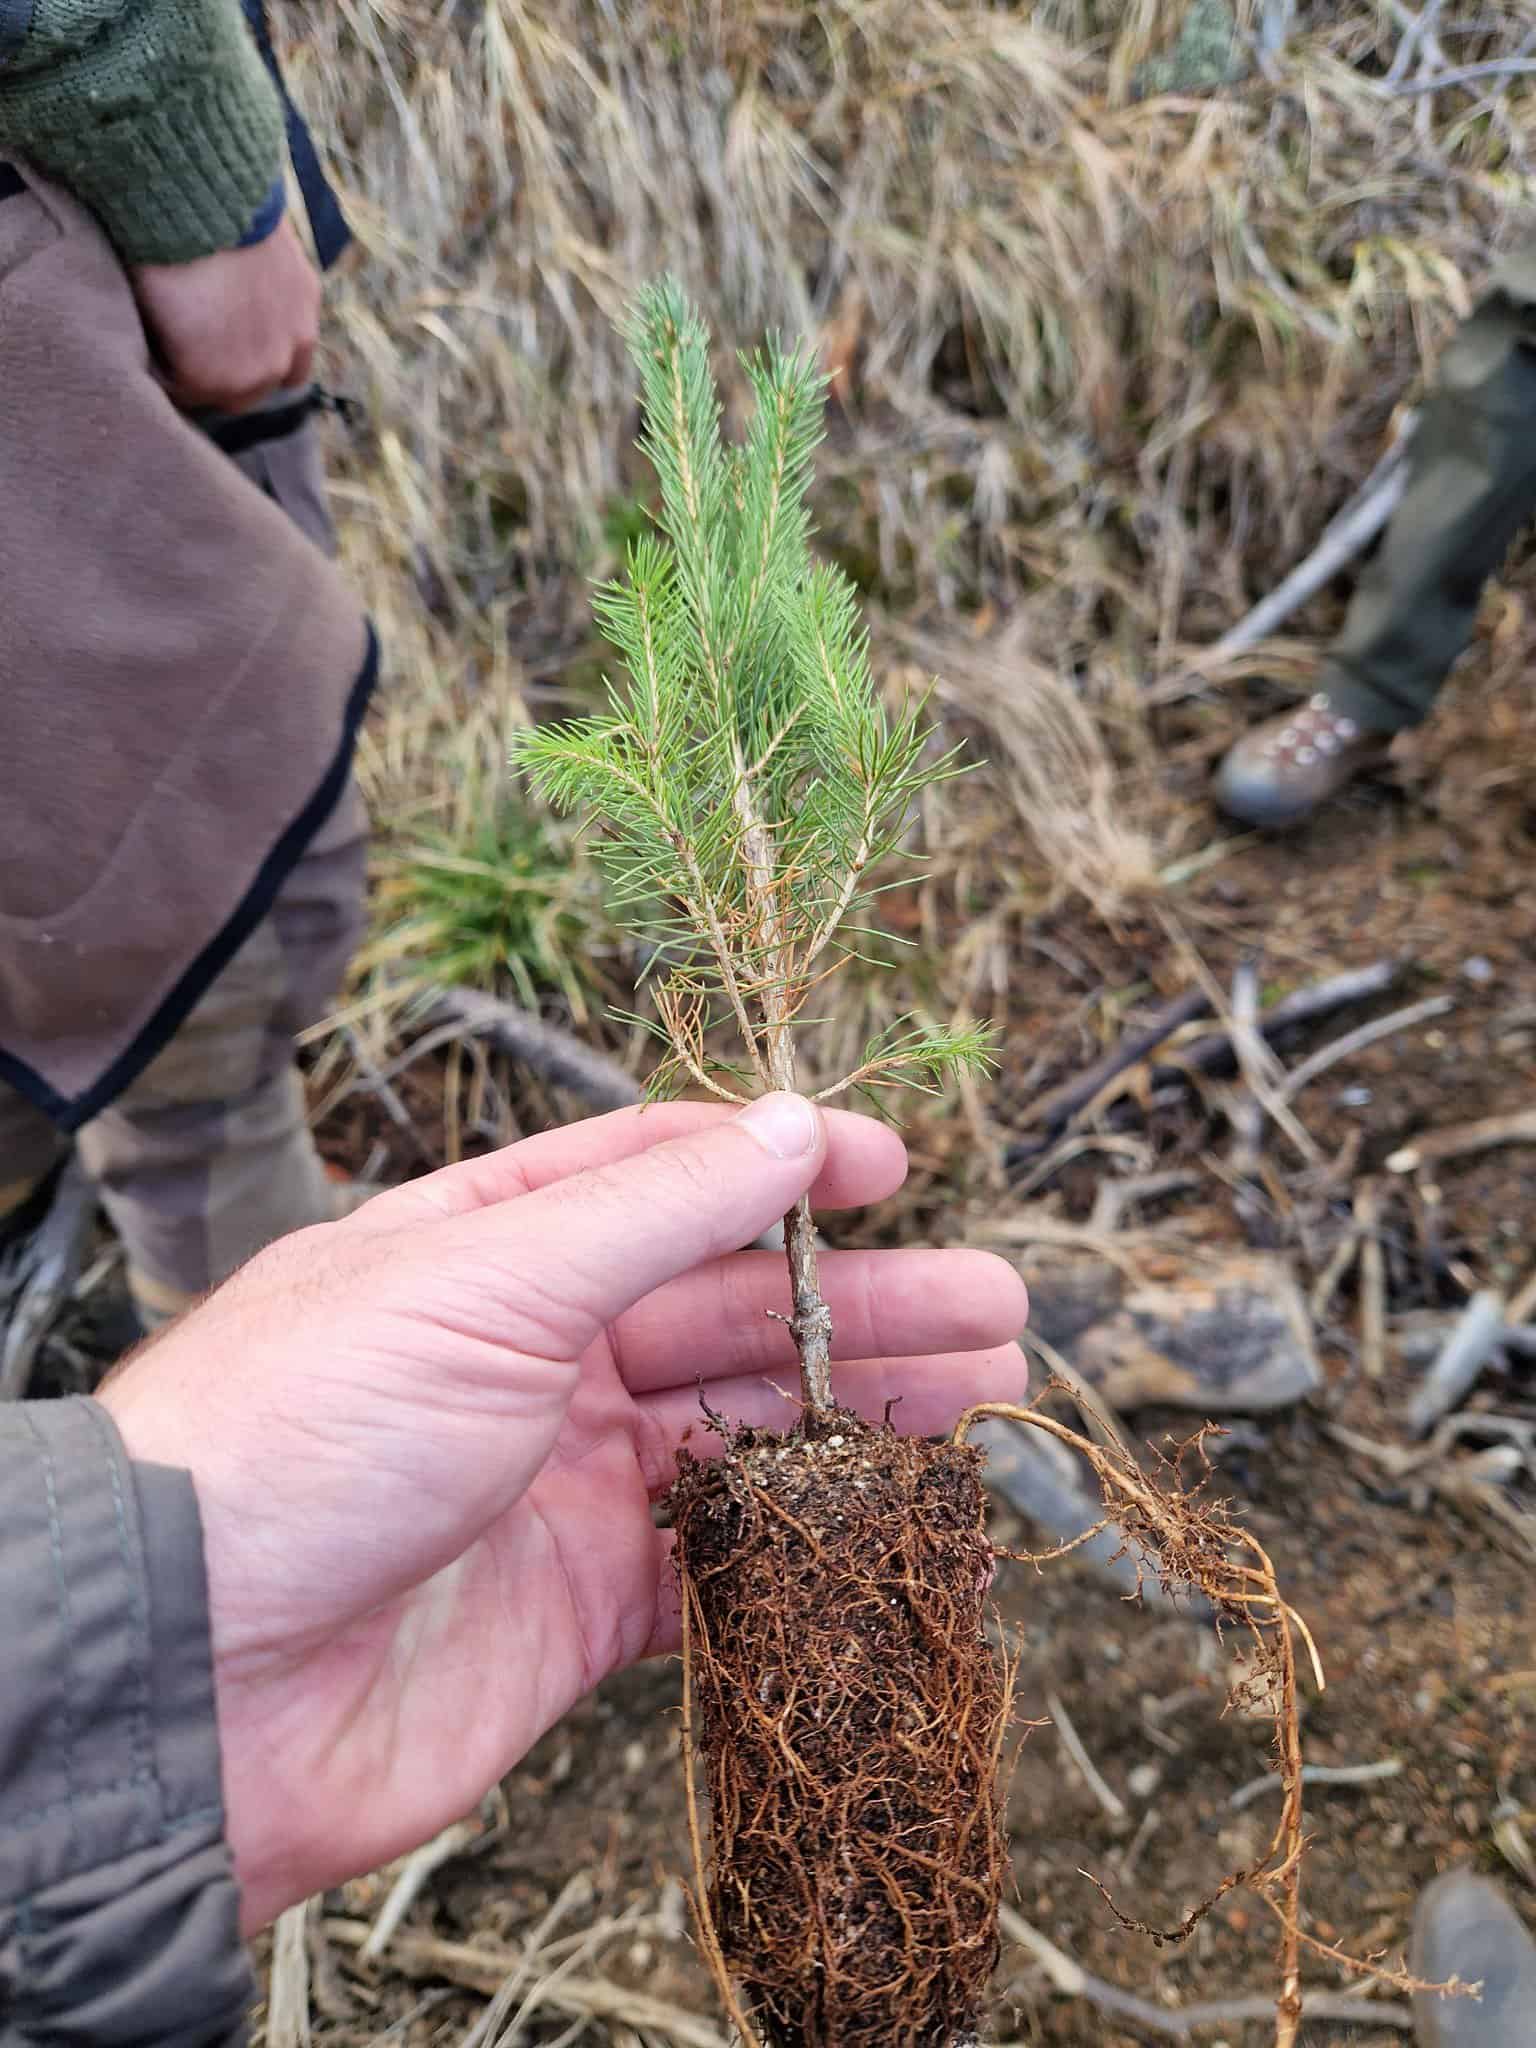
(598, 1242)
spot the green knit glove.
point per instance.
(158, 115)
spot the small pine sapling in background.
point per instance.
(748, 781)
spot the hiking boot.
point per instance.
(1465, 1927)
(1280, 772)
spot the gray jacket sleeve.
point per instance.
(119, 1914)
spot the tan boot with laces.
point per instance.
(1280, 772)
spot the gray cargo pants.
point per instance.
(1471, 487)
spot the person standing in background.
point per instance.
(1471, 487)
(182, 669)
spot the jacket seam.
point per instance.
(23, 1908)
(140, 1746)
(73, 1802)
(33, 1814)
(66, 1610)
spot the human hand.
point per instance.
(425, 1442)
(232, 328)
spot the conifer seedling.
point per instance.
(747, 778)
(748, 784)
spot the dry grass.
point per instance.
(1103, 363)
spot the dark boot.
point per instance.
(1465, 1927)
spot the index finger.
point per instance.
(866, 1162)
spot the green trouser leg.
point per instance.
(1471, 487)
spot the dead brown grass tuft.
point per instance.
(1103, 360)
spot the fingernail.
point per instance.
(784, 1125)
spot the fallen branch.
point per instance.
(1342, 1257)
(484, 1969)
(1116, 1196)
(1261, 1071)
(1180, 2023)
(414, 1872)
(1401, 1460)
(1245, 1113)
(1056, 1109)
(1301, 1006)
(37, 1276)
(1084, 1764)
(1347, 534)
(1373, 1281)
(1060, 1105)
(1454, 1141)
(1464, 74)
(1418, 28)
(553, 1053)
(288, 1979)
(1477, 1335)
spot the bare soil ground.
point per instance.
(1424, 1616)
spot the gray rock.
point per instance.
(1227, 1336)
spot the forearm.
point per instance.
(158, 115)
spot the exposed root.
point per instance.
(851, 1721)
(1198, 1545)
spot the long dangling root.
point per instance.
(851, 1718)
(1197, 1545)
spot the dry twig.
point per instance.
(288, 1981)
(1351, 530)
(1455, 1141)
(1355, 1041)
(1466, 74)
(1318, 1774)
(1467, 1350)
(1057, 1108)
(1373, 1282)
(556, 1054)
(1181, 2023)
(414, 1872)
(1083, 1763)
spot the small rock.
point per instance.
(1224, 1336)
(1143, 1781)
(1477, 968)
